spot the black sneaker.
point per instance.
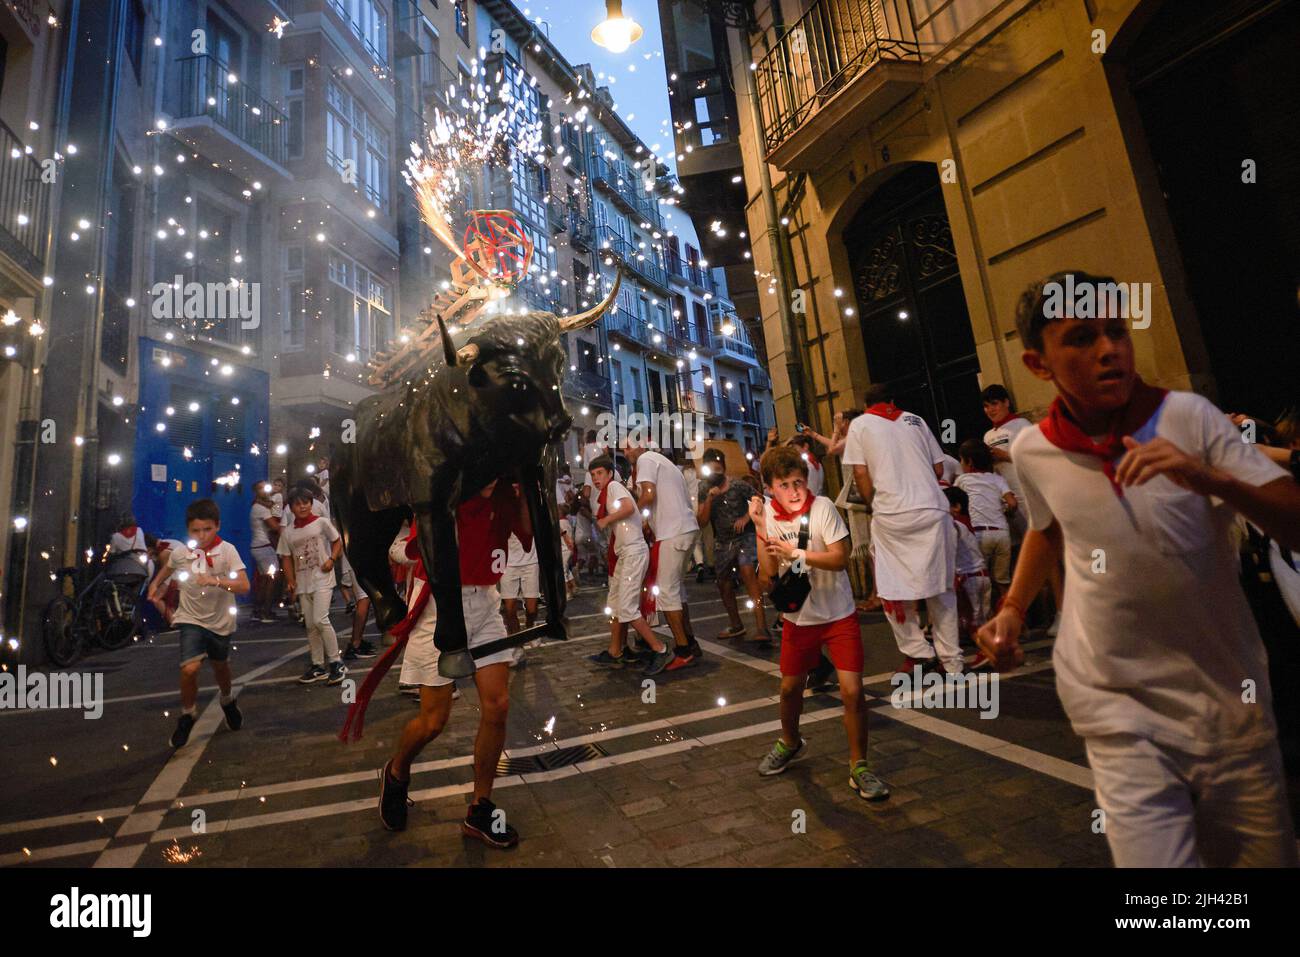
(234, 717)
(482, 821)
(822, 678)
(183, 728)
(365, 650)
(313, 674)
(606, 660)
(393, 801)
(694, 648)
(350, 654)
(336, 673)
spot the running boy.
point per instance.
(209, 571)
(1137, 486)
(828, 617)
(484, 524)
(628, 560)
(313, 546)
(990, 502)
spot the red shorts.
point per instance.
(801, 646)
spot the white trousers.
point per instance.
(943, 620)
(1167, 808)
(324, 643)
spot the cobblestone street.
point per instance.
(670, 782)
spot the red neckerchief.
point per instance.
(965, 521)
(1061, 430)
(207, 552)
(886, 410)
(301, 523)
(998, 423)
(783, 516)
(128, 531)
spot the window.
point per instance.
(294, 107)
(369, 24)
(362, 308)
(462, 22)
(356, 145)
(430, 59)
(133, 41)
(295, 310)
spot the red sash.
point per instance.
(1061, 430)
(601, 511)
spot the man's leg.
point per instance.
(756, 596)
(221, 671)
(530, 611)
(907, 633)
(435, 708)
(493, 684)
(1147, 807)
(727, 591)
(1242, 815)
(359, 617)
(791, 708)
(190, 684)
(307, 602)
(943, 620)
(511, 615)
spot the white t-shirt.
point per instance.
(951, 469)
(970, 559)
(257, 518)
(565, 529)
(900, 455)
(311, 547)
(627, 531)
(831, 597)
(207, 606)
(320, 507)
(692, 479)
(816, 475)
(120, 543)
(985, 491)
(1001, 438)
(518, 556)
(278, 509)
(1159, 643)
(671, 513)
(562, 489)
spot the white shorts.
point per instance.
(674, 559)
(1167, 808)
(521, 581)
(624, 600)
(565, 555)
(346, 578)
(264, 556)
(482, 622)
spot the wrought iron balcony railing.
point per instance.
(637, 260)
(24, 204)
(206, 88)
(820, 54)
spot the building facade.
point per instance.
(909, 167)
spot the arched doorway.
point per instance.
(915, 327)
(1217, 84)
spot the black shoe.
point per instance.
(483, 822)
(694, 648)
(336, 673)
(183, 728)
(822, 678)
(393, 801)
(365, 650)
(350, 654)
(234, 717)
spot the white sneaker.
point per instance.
(1055, 626)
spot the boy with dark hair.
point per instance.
(1137, 486)
(991, 501)
(311, 545)
(808, 450)
(972, 576)
(827, 619)
(628, 559)
(723, 504)
(209, 572)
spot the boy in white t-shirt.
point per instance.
(312, 545)
(566, 555)
(972, 574)
(828, 617)
(991, 501)
(629, 557)
(209, 572)
(521, 580)
(1159, 664)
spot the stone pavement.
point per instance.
(667, 780)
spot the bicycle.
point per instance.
(106, 612)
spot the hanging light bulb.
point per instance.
(616, 33)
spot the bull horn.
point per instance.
(448, 347)
(584, 319)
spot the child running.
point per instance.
(313, 545)
(804, 531)
(1159, 663)
(629, 557)
(209, 572)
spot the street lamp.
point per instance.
(616, 32)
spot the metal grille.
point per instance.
(549, 760)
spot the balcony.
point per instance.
(621, 322)
(370, 35)
(227, 120)
(24, 205)
(213, 327)
(537, 297)
(582, 232)
(621, 183)
(644, 266)
(843, 64)
(588, 385)
(693, 273)
(759, 380)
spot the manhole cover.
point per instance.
(549, 760)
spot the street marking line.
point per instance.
(53, 853)
(63, 820)
(171, 779)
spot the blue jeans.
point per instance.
(198, 643)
